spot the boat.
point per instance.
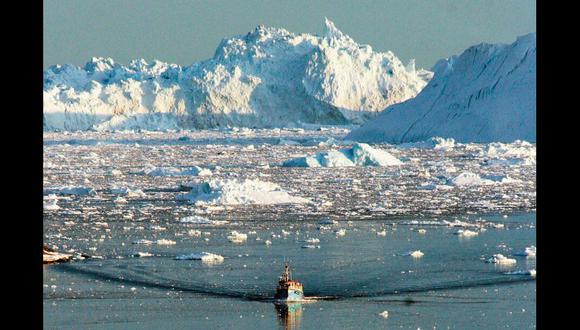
(50, 256)
(288, 290)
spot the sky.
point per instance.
(184, 32)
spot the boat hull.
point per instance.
(289, 295)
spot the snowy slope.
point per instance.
(488, 93)
(266, 78)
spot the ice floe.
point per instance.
(529, 252)
(469, 179)
(198, 220)
(240, 192)
(50, 203)
(174, 171)
(203, 256)
(69, 190)
(466, 233)
(236, 237)
(416, 254)
(500, 259)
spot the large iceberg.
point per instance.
(268, 77)
(360, 154)
(486, 94)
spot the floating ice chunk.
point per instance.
(70, 190)
(435, 143)
(142, 254)
(286, 142)
(120, 200)
(466, 233)
(194, 233)
(236, 237)
(500, 259)
(529, 252)
(143, 241)
(360, 154)
(236, 192)
(116, 173)
(128, 192)
(416, 254)
(469, 179)
(531, 272)
(165, 242)
(340, 232)
(203, 256)
(174, 171)
(384, 314)
(50, 203)
(327, 221)
(198, 220)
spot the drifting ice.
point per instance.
(235, 192)
(203, 256)
(360, 154)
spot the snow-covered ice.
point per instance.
(203, 256)
(360, 154)
(233, 192)
(486, 94)
(236, 237)
(422, 184)
(268, 77)
(529, 252)
(500, 259)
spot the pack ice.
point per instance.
(486, 94)
(268, 77)
(360, 154)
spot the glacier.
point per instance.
(486, 94)
(266, 78)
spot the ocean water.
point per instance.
(352, 278)
(358, 276)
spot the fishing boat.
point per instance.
(288, 289)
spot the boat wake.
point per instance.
(144, 278)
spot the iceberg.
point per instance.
(360, 154)
(240, 192)
(268, 77)
(486, 94)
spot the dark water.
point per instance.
(361, 274)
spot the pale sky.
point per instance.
(184, 32)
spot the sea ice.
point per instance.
(466, 233)
(203, 256)
(237, 192)
(236, 237)
(360, 154)
(416, 254)
(198, 220)
(529, 252)
(500, 259)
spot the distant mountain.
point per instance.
(266, 78)
(488, 93)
